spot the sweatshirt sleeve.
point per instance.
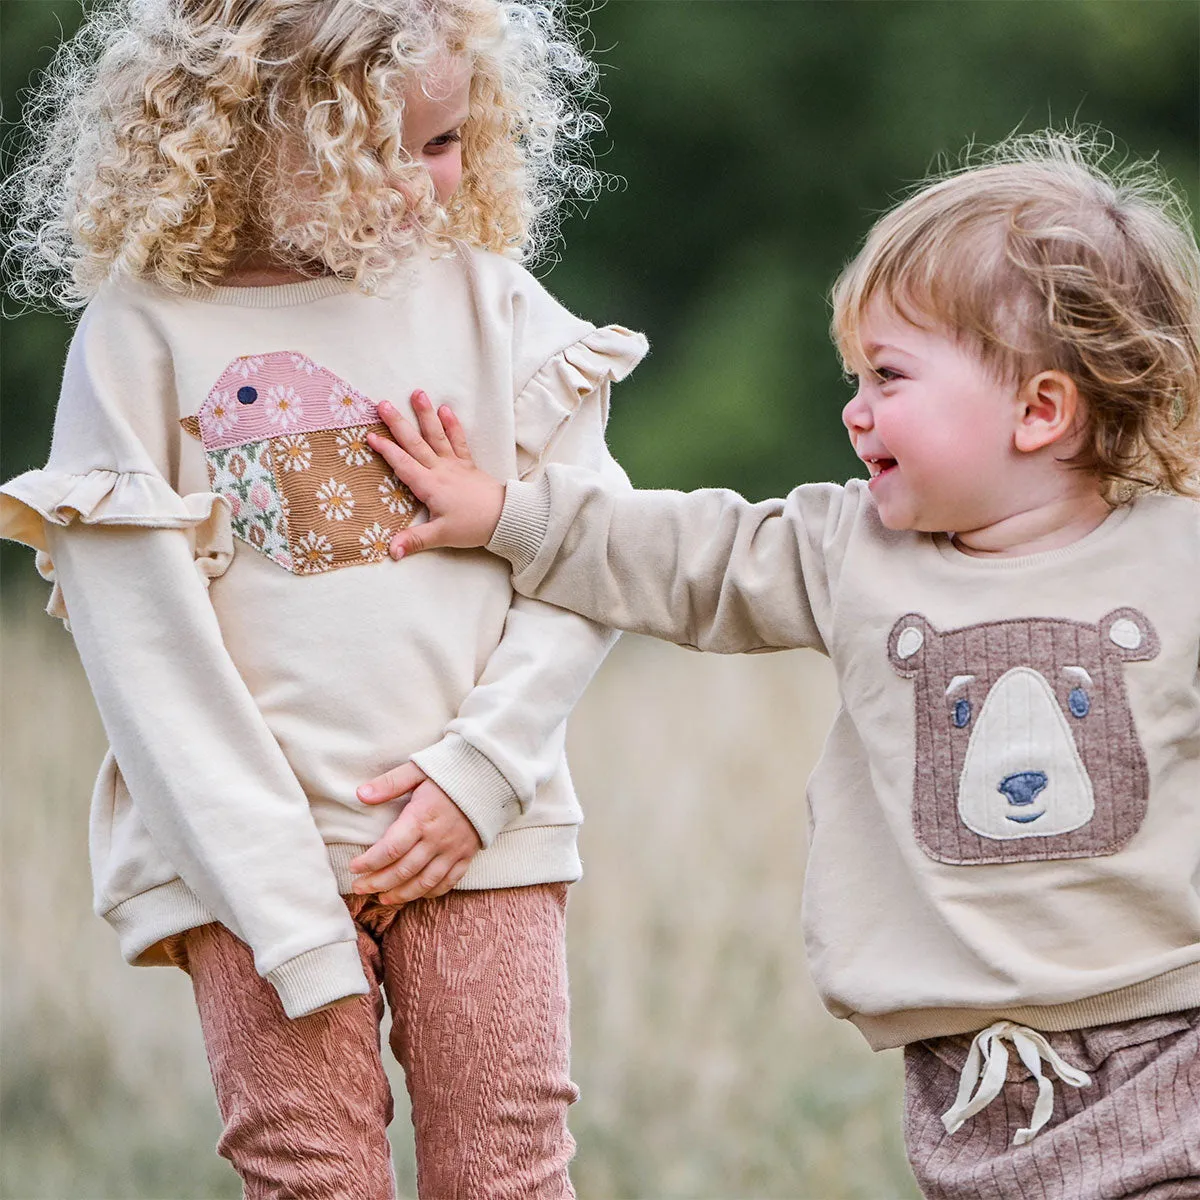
(130, 559)
(207, 778)
(706, 569)
(509, 734)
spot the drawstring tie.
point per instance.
(989, 1057)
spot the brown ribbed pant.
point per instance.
(476, 983)
(1134, 1131)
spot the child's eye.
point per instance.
(442, 142)
(887, 374)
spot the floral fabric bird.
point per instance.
(285, 441)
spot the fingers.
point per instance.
(416, 538)
(435, 880)
(391, 785)
(407, 435)
(456, 434)
(421, 872)
(452, 877)
(431, 425)
(402, 870)
(427, 847)
(404, 466)
(401, 836)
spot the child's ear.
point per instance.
(1048, 405)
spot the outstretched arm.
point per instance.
(706, 569)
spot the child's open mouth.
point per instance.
(879, 467)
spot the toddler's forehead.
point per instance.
(994, 341)
(896, 321)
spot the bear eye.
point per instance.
(247, 395)
(1078, 703)
(962, 713)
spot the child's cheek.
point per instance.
(447, 175)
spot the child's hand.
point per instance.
(426, 849)
(464, 502)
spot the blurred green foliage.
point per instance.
(756, 142)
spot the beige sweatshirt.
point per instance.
(1006, 816)
(216, 527)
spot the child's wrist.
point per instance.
(494, 509)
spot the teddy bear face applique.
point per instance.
(1026, 747)
(285, 442)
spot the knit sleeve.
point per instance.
(206, 777)
(706, 569)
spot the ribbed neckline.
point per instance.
(1110, 524)
(275, 295)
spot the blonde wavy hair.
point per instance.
(154, 140)
(1046, 253)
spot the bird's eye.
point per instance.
(1078, 703)
(962, 713)
(247, 395)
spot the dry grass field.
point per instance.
(707, 1066)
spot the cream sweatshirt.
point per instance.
(1006, 815)
(216, 528)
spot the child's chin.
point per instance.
(892, 519)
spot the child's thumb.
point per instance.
(421, 537)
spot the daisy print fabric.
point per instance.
(285, 441)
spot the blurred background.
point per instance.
(755, 143)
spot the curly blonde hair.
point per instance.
(1044, 253)
(154, 140)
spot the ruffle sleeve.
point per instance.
(100, 497)
(565, 380)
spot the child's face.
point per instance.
(934, 426)
(435, 110)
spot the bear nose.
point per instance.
(1021, 786)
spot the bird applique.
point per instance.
(285, 441)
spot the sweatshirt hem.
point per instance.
(1170, 992)
(520, 857)
(517, 858)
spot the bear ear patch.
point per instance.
(907, 641)
(1130, 635)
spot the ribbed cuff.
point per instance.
(318, 977)
(473, 782)
(523, 521)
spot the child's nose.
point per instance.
(857, 413)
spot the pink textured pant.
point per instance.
(476, 984)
